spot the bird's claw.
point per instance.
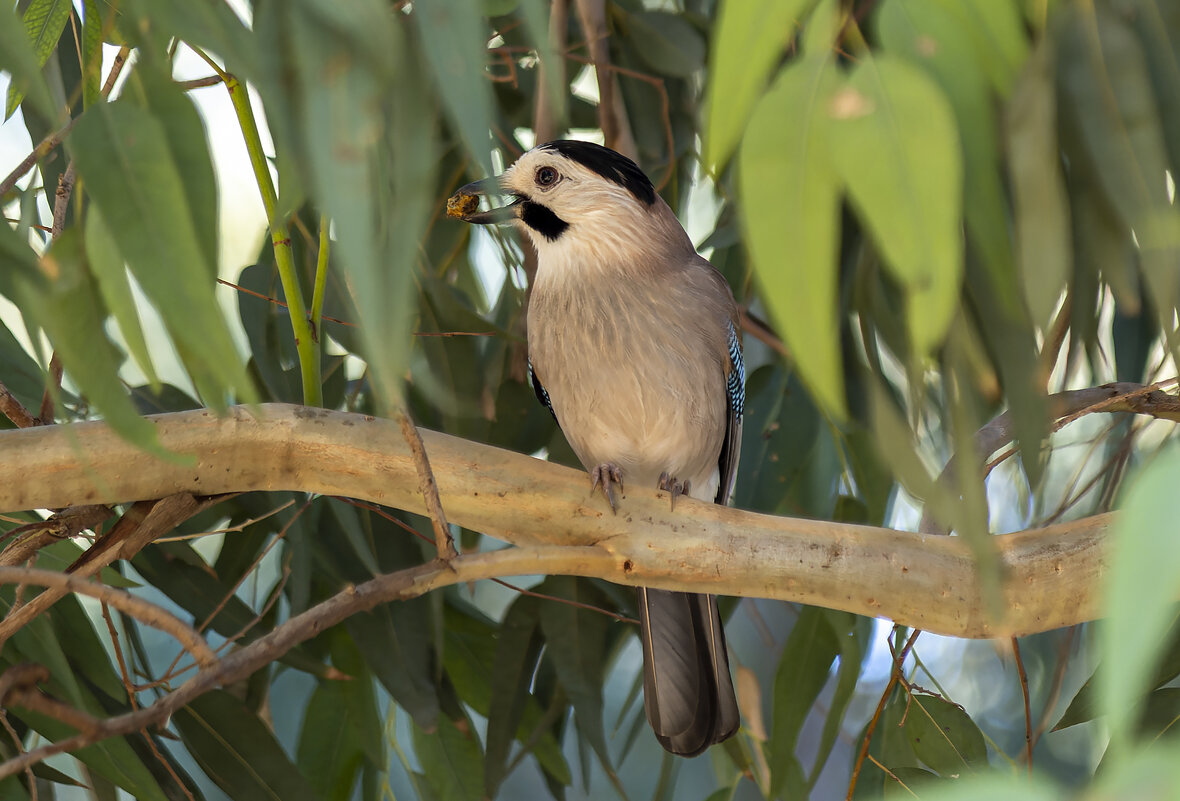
(607, 475)
(669, 484)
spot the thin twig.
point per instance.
(47, 145)
(240, 664)
(892, 775)
(47, 414)
(443, 541)
(144, 611)
(20, 749)
(894, 677)
(1065, 408)
(200, 83)
(14, 410)
(1028, 741)
(592, 17)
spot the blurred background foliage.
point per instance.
(931, 211)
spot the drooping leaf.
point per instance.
(70, 312)
(1039, 199)
(670, 44)
(895, 145)
(43, 21)
(750, 37)
(790, 193)
(452, 759)
(1143, 574)
(802, 673)
(130, 172)
(237, 751)
(575, 638)
(340, 729)
(110, 273)
(944, 737)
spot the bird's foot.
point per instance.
(606, 475)
(669, 484)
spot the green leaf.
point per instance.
(113, 758)
(1107, 93)
(750, 38)
(790, 194)
(518, 647)
(111, 274)
(91, 53)
(1140, 588)
(999, 38)
(575, 640)
(341, 729)
(854, 636)
(237, 751)
(367, 132)
(944, 737)
(18, 59)
(184, 134)
(802, 673)
(1010, 787)
(451, 759)
(123, 154)
(1161, 713)
(1156, 24)
(70, 312)
(396, 646)
(454, 45)
(895, 145)
(668, 43)
(44, 20)
(21, 374)
(1149, 773)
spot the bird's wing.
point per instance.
(735, 393)
(539, 391)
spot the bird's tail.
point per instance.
(687, 689)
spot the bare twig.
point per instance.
(443, 541)
(47, 145)
(46, 414)
(894, 678)
(143, 611)
(1065, 407)
(616, 129)
(200, 83)
(140, 524)
(20, 749)
(14, 410)
(1028, 740)
(761, 331)
(240, 664)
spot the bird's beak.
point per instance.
(463, 204)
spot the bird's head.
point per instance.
(570, 195)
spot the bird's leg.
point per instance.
(606, 475)
(669, 483)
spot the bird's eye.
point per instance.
(546, 176)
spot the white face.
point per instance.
(586, 207)
(572, 192)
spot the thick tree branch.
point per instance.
(1052, 574)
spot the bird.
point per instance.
(634, 346)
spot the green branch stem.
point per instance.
(306, 342)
